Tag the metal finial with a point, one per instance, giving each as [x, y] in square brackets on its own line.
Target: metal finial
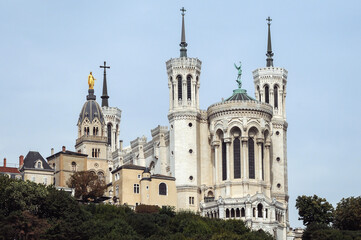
[269, 53]
[183, 44]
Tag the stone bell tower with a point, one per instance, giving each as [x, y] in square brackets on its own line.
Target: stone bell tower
[184, 119]
[270, 84]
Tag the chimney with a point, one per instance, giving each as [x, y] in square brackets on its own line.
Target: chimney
[63, 148]
[52, 151]
[4, 162]
[21, 161]
[120, 145]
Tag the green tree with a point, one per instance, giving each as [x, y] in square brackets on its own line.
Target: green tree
[87, 185]
[313, 209]
[348, 214]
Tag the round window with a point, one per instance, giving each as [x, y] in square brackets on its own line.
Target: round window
[190, 124]
[191, 178]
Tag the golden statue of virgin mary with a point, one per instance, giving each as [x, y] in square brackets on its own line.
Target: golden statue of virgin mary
[91, 81]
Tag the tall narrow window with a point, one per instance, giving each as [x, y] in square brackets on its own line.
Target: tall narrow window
[162, 189]
[117, 190]
[73, 166]
[109, 134]
[260, 210]
[251, 158]
[266, 93]
[237, 158]
[136, 188]
[275, 96]
[243, 212]
[224, 161]
[94, 131]
[179, 78]
[232, 213]
[189, 87]
[238, 213]
[262, 161]
[227, 213]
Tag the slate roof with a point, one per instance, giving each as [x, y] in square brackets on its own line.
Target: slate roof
[31, 158]
[91, 110]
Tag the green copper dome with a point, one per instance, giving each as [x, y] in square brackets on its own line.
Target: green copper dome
[240, 94]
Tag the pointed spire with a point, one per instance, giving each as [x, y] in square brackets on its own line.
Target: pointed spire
[269, 53]
[105, 89]
[183, 44]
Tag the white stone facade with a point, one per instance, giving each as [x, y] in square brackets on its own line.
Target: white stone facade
[229, 161]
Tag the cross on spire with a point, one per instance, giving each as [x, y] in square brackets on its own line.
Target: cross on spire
[105, 89]
[269, 20]
[183, 11]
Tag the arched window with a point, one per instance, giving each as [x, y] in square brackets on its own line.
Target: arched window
[73, 166]
[232, 213]
[266, 93]
[243, 212]
[260, 210]
[38, 164]
[94, 131]
[84, 130]
[109, 133]
[162, 189]
[101, 175]
[237, 213]
[224, 161]
[275, 96]
[251, 158]
[189, 87]
[117, 190]
[179, 78]
[237, 158]
[227, 213]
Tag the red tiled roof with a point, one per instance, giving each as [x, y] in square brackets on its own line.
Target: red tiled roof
[9, 170]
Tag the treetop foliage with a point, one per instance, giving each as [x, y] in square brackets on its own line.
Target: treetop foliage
[34, 211]
[314, 209]
[87, 185]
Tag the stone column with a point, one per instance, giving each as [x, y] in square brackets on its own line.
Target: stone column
[197, 93]
[260, 169]
[244, 157]
[170, 86]
[267, 162]
[221, 211]
[271, 97]
[280, 102]
[175, 103]
[215, 164]
[227, 141]
[193, 94]
[184, 91]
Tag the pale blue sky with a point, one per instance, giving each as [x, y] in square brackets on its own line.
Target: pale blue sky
[47, 49]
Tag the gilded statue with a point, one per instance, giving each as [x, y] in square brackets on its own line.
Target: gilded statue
[91, 81]
[239, 81]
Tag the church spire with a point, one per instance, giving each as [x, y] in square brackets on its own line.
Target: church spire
[183, 44]
[269, 53]
[105, 89]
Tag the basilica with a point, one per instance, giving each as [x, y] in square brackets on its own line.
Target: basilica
[228, 161]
